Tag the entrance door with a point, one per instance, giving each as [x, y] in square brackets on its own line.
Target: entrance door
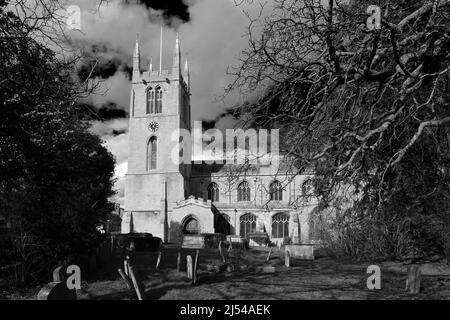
[191, 226]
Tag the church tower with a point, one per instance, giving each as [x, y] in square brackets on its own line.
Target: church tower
[159, 106]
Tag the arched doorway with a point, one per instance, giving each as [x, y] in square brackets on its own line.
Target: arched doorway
[191, 226]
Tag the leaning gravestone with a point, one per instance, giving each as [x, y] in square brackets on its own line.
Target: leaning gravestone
[189, 266]
[58, 289]
[413, 279]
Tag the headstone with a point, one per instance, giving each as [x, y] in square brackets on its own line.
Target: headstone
[60, 274]
[189, 266]
[287, 258]
[57, 291]
[194, 270]
[221, 252]
[268, 256]
[126, 279]
[268, 269]
[413, 279]
[301, 251]
[178, 261]
[158, 261]
[136, 282]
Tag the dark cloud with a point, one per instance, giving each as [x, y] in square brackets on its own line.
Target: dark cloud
[107, 111]
[170, 8]
[101, 61]
[111, 110]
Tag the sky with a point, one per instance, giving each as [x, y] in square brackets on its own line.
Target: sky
[211, 36]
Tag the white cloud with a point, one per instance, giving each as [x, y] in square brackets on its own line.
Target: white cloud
[212, 39]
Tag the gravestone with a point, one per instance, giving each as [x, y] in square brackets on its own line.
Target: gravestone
[195, 267]
[189, 267]
[60, 274]
[136, 280]
[268, 269]
[287, 258]
[302, 251]
[178, 261]
[126, 279]
[268, 256]
[221, 252]
[56, 291]
[158, 261]
[413, 279]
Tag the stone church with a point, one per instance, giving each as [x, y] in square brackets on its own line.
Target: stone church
[168, 199]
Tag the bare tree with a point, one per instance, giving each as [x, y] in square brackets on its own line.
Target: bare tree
[365, 105]
[334, 85]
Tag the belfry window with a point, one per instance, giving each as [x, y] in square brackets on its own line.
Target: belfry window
[276, 191]
[152, 153]
[150, 101]
[243, 191]
[158, 102]
[213, 192]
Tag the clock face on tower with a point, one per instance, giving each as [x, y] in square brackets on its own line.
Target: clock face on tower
[153, 126]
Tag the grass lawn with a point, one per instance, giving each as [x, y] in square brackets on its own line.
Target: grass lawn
[323, 278]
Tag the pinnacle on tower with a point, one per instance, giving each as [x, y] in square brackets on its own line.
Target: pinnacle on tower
[176, 58]
[150, 67]
[136, 60]
[186, 72]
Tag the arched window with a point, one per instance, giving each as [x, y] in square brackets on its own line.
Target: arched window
[150, 101]
[152, 153]
[213, 192]
[280, 225]
[243, 191]
[276, 191]
[158, 104]
[316, 228]
[307, 188]
[247, 223]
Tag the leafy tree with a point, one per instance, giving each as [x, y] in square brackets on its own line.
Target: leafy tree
[56, 177]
